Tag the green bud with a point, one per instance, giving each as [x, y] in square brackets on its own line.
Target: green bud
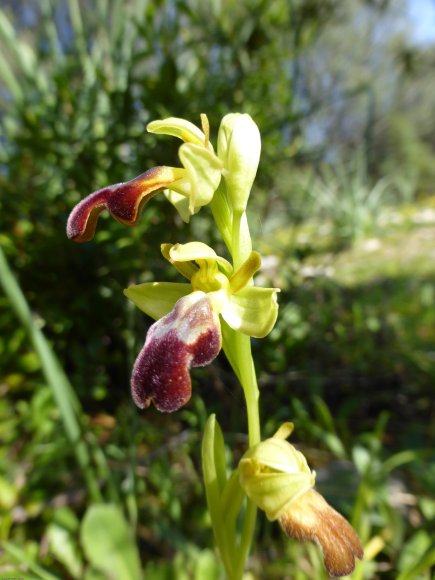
[274, 474]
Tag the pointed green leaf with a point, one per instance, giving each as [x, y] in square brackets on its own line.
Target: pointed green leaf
[213, 457]
[214, 473]
[157, 298]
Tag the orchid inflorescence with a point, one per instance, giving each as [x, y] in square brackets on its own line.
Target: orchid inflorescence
[218, 307]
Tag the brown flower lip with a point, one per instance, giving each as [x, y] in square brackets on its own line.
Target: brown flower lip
[124, 201]
[311, 518]
[189, 336]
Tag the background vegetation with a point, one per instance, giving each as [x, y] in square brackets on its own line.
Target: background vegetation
[343, 210]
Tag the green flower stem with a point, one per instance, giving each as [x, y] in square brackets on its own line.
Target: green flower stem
[248, 379]
[249, 383]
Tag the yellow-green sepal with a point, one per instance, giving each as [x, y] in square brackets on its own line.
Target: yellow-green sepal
[252, 310]
[186, 268]
[196, 252]
[176, 127]
[272, 492]
[157, 298]
[239, 147]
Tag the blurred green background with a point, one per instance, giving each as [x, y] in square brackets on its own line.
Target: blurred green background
[343, 211]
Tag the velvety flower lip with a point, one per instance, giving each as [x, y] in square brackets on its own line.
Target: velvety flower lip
[123, 200]
[311, 518]
[189, 336]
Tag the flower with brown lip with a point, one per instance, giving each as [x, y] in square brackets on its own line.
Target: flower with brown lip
[276, 477]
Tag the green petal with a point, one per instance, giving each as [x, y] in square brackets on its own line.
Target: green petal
[252, 310]
[157, 298]
[194, 251]
[186, 269]
[242, 277]
[184, 130]
[204, 174]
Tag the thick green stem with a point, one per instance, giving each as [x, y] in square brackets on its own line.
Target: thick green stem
[244, 368]
[246, 373]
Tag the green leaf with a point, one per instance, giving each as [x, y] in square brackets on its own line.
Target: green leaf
[232, 498]
[157, 298]
[214, 473]
[213, 458]
[417, 556]
[20, 555]
[108, 543]
[65, 549]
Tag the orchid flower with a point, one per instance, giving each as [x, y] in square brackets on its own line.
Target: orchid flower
[188, 188]
[188, 328]
[218, 307]
[276, 477]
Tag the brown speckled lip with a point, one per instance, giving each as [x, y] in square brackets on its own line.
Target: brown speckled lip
[189, 336]
[123, 200]
[311, 518]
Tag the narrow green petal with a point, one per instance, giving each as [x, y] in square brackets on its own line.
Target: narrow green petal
[241, 278]
[157, 298]
[252, 311]
[184, 130]
[194, 251]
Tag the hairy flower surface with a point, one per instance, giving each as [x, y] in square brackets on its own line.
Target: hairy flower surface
[189, 187]
[276, 477]
[311, 518]
[189, 336]
[190, 313]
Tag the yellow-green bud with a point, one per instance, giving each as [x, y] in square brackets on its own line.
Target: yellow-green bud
[273, 473]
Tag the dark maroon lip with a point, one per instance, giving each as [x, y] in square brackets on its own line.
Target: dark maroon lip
[183, 339]
[124, 201]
